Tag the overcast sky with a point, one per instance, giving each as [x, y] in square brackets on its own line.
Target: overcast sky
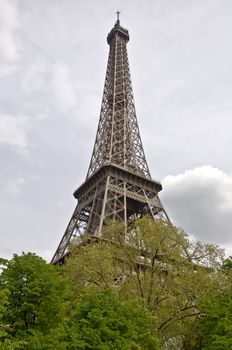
[53, 57]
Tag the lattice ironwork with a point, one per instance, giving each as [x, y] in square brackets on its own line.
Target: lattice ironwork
[118, 185]
[118, 139]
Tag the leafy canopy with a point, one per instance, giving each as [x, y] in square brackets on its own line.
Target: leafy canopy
[33, 293]
[102, 321]
[155, 262]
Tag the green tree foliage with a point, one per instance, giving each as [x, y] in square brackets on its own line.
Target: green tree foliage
[38, 312]
[101, 321]
[119, 292]
[34, 304]
[90, 267]
[227, 266]
[155, 262]
[215, 326]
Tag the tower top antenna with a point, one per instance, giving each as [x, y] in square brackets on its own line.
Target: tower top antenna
[118, 13]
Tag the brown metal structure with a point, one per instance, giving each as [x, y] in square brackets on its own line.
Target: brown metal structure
[118, 185]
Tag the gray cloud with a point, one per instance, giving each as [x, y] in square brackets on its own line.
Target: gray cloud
[13, 131]
[8, 46]
[200, 201]
[63, 91]
[52, 79]
[12, 187]
[53, 59]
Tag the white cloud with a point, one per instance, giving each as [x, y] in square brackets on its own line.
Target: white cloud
[52, 80]
[8, 48]
[183, 96]
[36, 77]
[46, 254]
[13, 131]
[63, 91]
[12, 187]
[200, 201]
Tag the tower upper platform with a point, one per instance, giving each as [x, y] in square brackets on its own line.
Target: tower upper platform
[118, 30]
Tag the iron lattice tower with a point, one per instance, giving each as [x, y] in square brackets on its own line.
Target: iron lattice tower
[118, 183]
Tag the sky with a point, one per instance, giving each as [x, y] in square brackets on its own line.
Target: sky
[53, 57]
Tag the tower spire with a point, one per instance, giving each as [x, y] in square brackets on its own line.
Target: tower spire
[118, 138]
[118, 185]
[118, 13]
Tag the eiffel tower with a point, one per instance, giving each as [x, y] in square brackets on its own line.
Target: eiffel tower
[118, 185]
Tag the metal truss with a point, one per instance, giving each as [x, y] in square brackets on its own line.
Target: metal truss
[118, 139]
[118, 185]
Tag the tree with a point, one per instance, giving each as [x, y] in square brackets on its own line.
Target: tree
[90, 267]
[119, 292]
[156, 262]
[34, 303]
[215, 328]
[101, 321]
[215, 325]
